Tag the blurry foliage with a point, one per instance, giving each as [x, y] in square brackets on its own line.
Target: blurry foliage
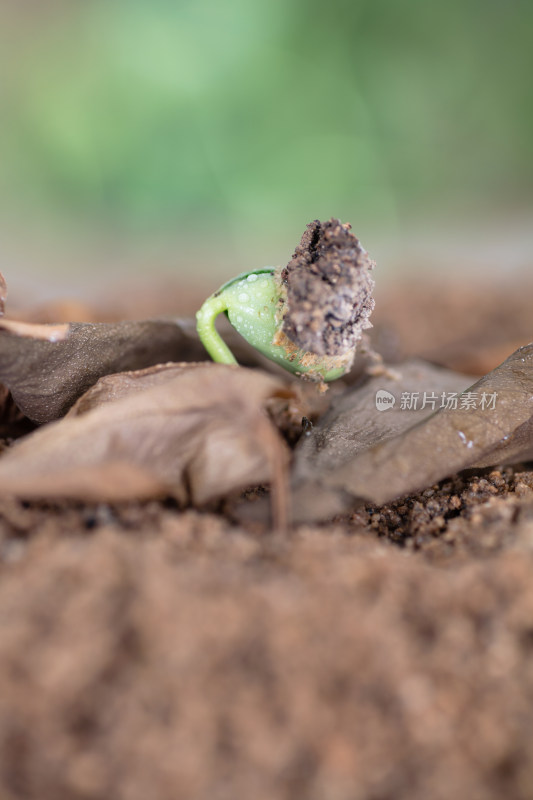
[148, 116]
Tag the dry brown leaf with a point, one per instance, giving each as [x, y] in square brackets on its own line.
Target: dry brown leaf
[353, 423]
[122, 384]
[46, 378]
[389, 464]
[197, 435]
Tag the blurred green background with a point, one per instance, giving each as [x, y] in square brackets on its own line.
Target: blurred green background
[202, 135]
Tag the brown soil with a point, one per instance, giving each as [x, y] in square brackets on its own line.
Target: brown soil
[149, 652]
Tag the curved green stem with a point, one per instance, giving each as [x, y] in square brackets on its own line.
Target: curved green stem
[209, 336]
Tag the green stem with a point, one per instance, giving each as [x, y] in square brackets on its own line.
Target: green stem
[209, 336]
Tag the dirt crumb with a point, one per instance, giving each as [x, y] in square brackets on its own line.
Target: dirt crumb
[474, 514]
[329, 290]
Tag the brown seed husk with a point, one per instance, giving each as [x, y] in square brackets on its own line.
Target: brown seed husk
[329, 290]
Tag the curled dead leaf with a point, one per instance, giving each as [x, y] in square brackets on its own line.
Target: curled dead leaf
[122, 384]
[358, 419]
[46, 377]
[196, 432]
[379, 461]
